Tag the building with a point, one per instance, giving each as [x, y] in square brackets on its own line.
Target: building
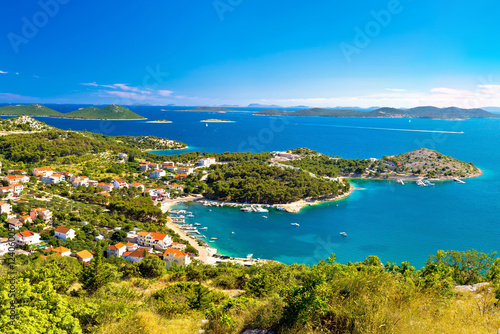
[46, 214]
[84, 256]
[168, 164]
[25, 219]
[180, 177]
[80, 181]
[27, 238]
[42, 171]
[178, 245]
[105, 186]
[53, 178]
[7, 190]
[64, 233]
[15, 224]
[116, 250]
[139, 186]
[123, 156]
[185, 170]
[154, 239]
[5, 208]
[13, 179]
[136, 255]
[156, 174]
[176, 256]
[63, 251]
[143, 166]
[119, 183]
[206, 162]
[153, 165]
[17, 188]
[17, 171]
[131, 246]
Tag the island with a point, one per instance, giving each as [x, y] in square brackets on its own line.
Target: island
[160, 121]
[112, 112]
[214, 120]
[451, 113]
[28, 110]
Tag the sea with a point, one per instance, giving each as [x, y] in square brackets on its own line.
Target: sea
[394, 222]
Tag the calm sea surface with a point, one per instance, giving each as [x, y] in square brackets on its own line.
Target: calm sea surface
[397, 223]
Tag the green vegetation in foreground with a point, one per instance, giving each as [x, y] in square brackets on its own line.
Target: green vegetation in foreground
[111, 112]
[419, 112]
[112, 296]
[28, 110]
[23, 124]
[215, 120]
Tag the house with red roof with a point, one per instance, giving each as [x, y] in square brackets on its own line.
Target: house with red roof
[157, 174]
[13, 179]
[137, 255]
[42, 171]
[176, 256]
[84, 256]
[45, 213]
[17, 188]
[105, 186]
[64, 233]
[63, 251]
[27, 238]
[116, 250]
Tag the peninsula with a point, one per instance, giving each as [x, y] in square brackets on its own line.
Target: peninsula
[451, 113]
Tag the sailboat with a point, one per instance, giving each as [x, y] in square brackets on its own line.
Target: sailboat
[206, 124]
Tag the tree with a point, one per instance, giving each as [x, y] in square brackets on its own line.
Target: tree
[118, 235]
[152, 266]
[95, 275]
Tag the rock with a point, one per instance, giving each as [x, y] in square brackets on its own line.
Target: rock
[475, 287]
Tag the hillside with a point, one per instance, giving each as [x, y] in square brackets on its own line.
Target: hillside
[28, 110]
[23, 124]
[451, 113]
[111, 112]
[213, 109]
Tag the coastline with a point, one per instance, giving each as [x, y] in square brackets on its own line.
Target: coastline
[410, 178]
[159, 122]
[170, 149]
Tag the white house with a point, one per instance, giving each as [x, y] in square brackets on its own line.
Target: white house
[116, 250]
[15, 224]
[80, 181]
[139, 186]
[64, 233]
[5, 208]
[12, 179]
[119, 183]
[157, 173]
[168, 164]
[42, 171]
[153, 165]
[123, 156]
[46, 214]
[17, 188]
[6, 190]
[177, 256]
[105, 186]
[27, 238]
[185, 170]
[206, 162]
[53, 178]
[63, 251]
[154, 239]
[84, 256]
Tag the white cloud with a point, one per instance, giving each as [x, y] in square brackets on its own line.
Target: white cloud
[11, 97]
[165, 92]
[2, 72]
[90, 84]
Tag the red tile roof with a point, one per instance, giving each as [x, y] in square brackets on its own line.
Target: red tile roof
[62, 229]
[174, 252]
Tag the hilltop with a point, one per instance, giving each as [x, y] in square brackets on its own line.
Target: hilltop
[111, 112]
[23, 124]
[213, 109]
[28, 110]
[451, 113]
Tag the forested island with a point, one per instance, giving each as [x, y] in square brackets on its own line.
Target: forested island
[451, 113]
[110, 112]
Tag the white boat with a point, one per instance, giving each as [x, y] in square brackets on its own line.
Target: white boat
[420, 183]
[246, 209]
[265, 217]
[190, 216]
[197, 224]
[204, 228]
[401, 182]
[249, 256]
[428, 183]
[295, 224]
[211, 241]
[458, 180]
[260, 209]
[213, 238]
[343, 234]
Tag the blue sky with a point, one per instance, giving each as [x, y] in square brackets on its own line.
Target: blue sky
[319, 53]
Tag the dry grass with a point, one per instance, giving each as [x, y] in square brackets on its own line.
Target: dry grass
[150, 323]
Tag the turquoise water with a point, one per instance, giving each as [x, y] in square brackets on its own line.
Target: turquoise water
[396, 223]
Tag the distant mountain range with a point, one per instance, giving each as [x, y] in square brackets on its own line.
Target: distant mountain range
[111, 112]
[418, 112]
